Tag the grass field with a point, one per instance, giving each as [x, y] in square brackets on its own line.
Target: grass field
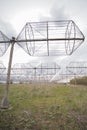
[44, 107]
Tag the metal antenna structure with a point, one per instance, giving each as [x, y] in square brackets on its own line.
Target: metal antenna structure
[4, 43]
[50, 38]
[2, 68]
[42, 39]
[74, 69]
[2, 72]
[65, 75]
[77, 68]
[36, 72]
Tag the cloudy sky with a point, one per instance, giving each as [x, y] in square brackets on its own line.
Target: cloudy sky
[15, 13]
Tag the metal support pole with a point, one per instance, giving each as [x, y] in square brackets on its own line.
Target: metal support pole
[35, 77]
[75, 79]
[47, 40]
[5, 102]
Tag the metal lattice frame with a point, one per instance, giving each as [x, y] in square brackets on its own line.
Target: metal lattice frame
[73, 70]
[38, 72]
[4, 43]
[42, 38]
[65, 75]
[2, 71]
[2, 68]
[50, 38]
[77, 68]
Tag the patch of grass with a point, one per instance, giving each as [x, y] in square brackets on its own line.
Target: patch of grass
[47, 107]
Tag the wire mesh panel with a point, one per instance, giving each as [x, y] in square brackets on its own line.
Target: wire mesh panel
[4, 43]
[50, 38]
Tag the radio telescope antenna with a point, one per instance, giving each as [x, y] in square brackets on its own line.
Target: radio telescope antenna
[54, 38]
[37, 71]
[50, 38]
[77, 68]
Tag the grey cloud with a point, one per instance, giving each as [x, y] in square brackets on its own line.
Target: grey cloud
[59, 14]
[7, 29]
[10, 8]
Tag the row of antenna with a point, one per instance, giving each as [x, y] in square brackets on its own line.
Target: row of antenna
[27, 72]
[49, 38]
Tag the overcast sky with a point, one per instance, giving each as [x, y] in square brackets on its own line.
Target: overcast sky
[15, 13]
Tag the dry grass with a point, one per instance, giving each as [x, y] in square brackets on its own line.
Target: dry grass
[45, 107]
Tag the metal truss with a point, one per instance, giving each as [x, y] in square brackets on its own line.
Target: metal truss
[42, 39]
[77, 68]
[4, 43]
[2, 73]
[2, 68]
[65, 75]
[50, 38]
[73, 70]
[30, 72]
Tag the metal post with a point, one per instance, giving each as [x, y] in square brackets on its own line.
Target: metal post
[5, 102]
[47, 40]
[75, 79]
[35, 76]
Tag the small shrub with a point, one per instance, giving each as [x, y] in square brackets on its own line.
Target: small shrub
[79, 81]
